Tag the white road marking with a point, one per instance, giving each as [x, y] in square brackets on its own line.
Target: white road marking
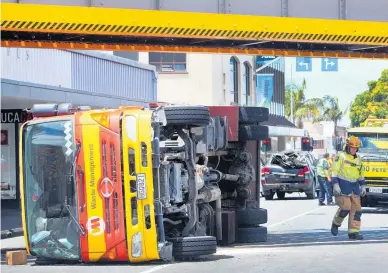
[294, 217]
[156, 268]
[279, 248]
[249, 249]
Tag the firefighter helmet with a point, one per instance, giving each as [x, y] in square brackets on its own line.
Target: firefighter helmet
[353, 142]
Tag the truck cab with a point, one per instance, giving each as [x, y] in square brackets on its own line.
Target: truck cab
[374, 156]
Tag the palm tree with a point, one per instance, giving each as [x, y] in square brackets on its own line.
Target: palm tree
[322, 109]
[298, 100]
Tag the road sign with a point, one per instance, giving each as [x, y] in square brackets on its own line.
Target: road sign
[329, 64]
[303, 64]
[261, 60]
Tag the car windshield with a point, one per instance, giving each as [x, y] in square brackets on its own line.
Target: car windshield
[373, 145]
[49, 190]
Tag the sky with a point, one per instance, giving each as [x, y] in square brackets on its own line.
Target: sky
[350, 79]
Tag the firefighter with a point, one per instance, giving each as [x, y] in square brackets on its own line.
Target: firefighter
[348, 185]
[325, 189]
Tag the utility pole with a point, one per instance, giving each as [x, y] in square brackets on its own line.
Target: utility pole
[292, 99]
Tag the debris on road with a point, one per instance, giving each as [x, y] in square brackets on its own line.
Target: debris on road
[18, 257]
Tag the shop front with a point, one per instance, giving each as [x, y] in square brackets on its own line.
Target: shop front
[11, 120]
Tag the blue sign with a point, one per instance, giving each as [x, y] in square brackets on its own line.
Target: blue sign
[261, 60]
[329, 64]
[264, 89]
[304, 64]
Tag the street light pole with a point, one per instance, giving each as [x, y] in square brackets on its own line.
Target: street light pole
[292, 106]
[292, 99]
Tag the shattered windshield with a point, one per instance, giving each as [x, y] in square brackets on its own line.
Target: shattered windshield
[50, 190]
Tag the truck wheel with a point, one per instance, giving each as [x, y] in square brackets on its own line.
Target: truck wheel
[252, 132]
[251, 235]
[187, 247]
[251, 217]
[187, 115]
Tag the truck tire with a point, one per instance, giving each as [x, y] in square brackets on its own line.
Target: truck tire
[187, 115]
[252, 132]
[187, 247]
[251, 234]
[251, 217]
[253, 115]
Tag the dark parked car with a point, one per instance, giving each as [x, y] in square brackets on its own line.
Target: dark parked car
[289, 172]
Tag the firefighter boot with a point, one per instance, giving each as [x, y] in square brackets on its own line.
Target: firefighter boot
[355, 236]
[334, 229]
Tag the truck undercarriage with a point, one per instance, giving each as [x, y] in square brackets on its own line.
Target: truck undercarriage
[205, 178]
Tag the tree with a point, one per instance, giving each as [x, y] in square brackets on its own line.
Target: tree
[372, 102]
[298, 101]
[322, 109]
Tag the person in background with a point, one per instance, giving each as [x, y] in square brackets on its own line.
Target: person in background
[324, 179]
[331, 162]
[349, 184]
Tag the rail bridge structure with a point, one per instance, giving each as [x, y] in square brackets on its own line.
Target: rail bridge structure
[314, 28]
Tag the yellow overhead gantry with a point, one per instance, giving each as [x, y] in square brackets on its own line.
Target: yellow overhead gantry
[74, 27]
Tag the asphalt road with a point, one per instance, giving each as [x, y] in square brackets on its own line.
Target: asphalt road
[299, 241]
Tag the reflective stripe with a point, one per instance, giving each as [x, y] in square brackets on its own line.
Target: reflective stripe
[353, 230]
[351, 163]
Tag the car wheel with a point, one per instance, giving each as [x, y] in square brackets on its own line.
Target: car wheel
[269, 196]
[311, 194]
[281, 195]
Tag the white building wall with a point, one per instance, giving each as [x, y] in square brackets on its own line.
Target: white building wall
[206, 82]
[222, 74]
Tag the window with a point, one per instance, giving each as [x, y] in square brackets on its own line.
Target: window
[168, 62]
[247, 82]
[234, 79]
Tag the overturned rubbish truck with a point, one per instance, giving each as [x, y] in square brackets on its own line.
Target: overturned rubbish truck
[140, 183]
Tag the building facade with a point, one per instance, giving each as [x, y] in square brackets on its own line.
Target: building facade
[55, 76]
[210, 79]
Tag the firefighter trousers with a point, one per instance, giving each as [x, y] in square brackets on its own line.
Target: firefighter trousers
[348, 205]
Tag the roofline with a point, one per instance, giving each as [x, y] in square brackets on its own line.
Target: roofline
[368, 130]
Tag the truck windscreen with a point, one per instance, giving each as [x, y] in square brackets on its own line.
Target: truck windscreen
[50, 195]
[373, 145]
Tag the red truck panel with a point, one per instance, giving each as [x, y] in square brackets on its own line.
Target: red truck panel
[232, 114]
